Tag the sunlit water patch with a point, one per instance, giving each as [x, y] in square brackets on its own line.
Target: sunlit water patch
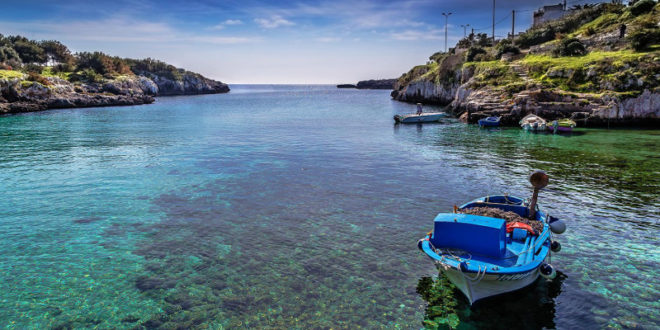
[300, 206]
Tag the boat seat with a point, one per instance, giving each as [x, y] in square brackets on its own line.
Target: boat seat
[478, 235]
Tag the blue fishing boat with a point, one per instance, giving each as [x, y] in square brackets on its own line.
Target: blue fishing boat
[487, 255]
[489, 122]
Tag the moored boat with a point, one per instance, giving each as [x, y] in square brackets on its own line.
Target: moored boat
[493, 245]
[414, 118]
[562, 125]
[533, 123]
[489, 122]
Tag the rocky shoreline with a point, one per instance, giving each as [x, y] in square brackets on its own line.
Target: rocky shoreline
[19, 95]
[581, 66]
[470, 101]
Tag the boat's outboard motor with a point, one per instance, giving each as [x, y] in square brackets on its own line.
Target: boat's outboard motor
[547, 271]
[539, 180]
[557, 226]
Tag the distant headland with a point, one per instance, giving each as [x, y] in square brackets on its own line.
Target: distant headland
[40, 75]
[371, 84]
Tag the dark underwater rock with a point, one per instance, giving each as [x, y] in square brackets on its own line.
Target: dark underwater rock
[146, 283]
[87, 220]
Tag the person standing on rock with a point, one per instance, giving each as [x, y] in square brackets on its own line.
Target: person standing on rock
[419, 108]
[622, 30]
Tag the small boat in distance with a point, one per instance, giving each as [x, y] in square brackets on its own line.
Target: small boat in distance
[489, 122]
[414, 118]
[533, 123]
[561, 125]
[494, 244]
[419, 117]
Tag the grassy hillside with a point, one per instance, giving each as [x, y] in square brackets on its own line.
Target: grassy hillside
[579, 53]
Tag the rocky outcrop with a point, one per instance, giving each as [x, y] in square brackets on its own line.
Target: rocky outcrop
[371, 84]
[424, 91]
[587, 110]
[476, 91]
[21, 95]
[189, 84]
[376, 84]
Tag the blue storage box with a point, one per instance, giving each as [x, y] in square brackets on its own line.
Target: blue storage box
[478, 235]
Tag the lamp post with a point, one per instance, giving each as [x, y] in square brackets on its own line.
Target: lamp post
[446, 15]
[464, 29]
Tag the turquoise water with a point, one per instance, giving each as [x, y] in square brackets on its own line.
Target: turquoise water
[301, 206]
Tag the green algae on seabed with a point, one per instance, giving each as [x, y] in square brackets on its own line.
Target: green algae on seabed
[440, 295]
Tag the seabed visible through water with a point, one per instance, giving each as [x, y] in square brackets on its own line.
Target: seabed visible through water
[300, 207]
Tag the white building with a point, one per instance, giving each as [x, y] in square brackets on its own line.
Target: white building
[548, 13]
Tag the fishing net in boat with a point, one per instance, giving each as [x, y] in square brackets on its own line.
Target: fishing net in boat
[508, 216]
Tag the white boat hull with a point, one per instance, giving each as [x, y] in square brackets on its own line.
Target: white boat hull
[423, 118]
[476, 287]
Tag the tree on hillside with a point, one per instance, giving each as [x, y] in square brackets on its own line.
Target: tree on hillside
[483, 40]
[8, 54]
[28, 50]
[56, 52]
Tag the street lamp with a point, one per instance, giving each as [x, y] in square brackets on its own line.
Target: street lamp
[464, 29]
[446, 15]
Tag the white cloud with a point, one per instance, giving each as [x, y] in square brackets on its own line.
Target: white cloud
[223, 40]
[328, 39]
[118, 29]
[412, 35]
[227, 23]
[233, 22]
[274, 21]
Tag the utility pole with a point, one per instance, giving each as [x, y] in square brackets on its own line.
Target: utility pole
[464, 29]
[493, 22]
[513, 24]
[446, 15]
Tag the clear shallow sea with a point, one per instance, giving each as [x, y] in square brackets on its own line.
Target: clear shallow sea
[300, 207]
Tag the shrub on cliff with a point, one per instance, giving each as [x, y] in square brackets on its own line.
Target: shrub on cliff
[33, 76]
[506, 46]
[642, 39]
[102, 63]
[642, 7]
[472, 52]
[57, 52]
[570, 47]
[28, 50]
[152, 66]
[7, 53]
[86, 75]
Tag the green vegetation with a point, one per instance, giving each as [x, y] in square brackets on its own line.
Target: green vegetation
[642, 7]
[10, 74]
[623, 71]
[579, 53]
[50, 58]
[568, 24]
[441, 309]
[570, 47]
[506, 46]
[472, 53]
[644, 39]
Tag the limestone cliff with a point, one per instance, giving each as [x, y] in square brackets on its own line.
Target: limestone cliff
[18, 94]
[591, 75]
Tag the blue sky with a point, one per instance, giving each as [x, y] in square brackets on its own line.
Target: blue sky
[325, 41]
